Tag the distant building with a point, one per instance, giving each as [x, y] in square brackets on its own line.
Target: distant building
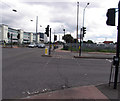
[43, 37]
[25, 37]
[108, 42]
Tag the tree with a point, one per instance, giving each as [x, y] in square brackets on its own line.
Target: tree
[84, 41]
[75, 41]
[68, 38]
[90, 41]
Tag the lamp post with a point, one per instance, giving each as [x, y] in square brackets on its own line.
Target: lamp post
[84, 13]
[36, 27]
[81, 30]
[14, 10]
[77, 21]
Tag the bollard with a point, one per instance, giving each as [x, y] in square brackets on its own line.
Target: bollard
[46, 51]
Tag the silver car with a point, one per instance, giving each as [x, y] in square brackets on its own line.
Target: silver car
[32, 45]
[41, 45]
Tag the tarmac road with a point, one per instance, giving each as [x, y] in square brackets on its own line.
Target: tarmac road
[26, 72]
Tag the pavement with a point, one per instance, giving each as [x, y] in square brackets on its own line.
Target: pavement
[91, 92]
[84, 92]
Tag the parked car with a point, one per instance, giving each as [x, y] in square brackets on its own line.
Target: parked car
[32, 45]
[41, 45]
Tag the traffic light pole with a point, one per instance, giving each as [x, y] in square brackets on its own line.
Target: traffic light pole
[54, 41]
[117, 50]
[80, 42]
[11, 40]
[50, 43]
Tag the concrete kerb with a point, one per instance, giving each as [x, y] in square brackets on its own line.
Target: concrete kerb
[46, 55]
[104, 89]
[92, 57]
[81, 92]
[89, 57]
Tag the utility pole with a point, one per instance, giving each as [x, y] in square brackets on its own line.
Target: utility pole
[117, 50]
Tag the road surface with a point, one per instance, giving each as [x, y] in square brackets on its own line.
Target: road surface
[26, 72]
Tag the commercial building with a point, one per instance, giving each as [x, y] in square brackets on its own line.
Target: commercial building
[20, 36]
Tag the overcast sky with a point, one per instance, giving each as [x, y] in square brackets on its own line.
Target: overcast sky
[60, 14]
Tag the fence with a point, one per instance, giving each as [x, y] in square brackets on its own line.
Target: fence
[86, 46]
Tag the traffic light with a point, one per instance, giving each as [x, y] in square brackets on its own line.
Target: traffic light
[110, 17]
[8, 35]
[47, 30]
[18, 36]
[55, 37]
[84, 31]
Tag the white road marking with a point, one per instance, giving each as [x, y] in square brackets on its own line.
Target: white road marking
[108, 60]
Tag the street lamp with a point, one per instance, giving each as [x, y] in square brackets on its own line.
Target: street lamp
[81, 30]
[36, 26]
[14, 10]
[84, 13]
[77, 21]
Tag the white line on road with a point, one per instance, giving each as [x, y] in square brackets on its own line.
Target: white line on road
[108, 60]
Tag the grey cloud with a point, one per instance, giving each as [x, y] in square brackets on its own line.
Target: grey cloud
[58, 4]
[65, 4]
[91, 5]
[4, 5]
[69, 21]
[10, 18]
[65, 13]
